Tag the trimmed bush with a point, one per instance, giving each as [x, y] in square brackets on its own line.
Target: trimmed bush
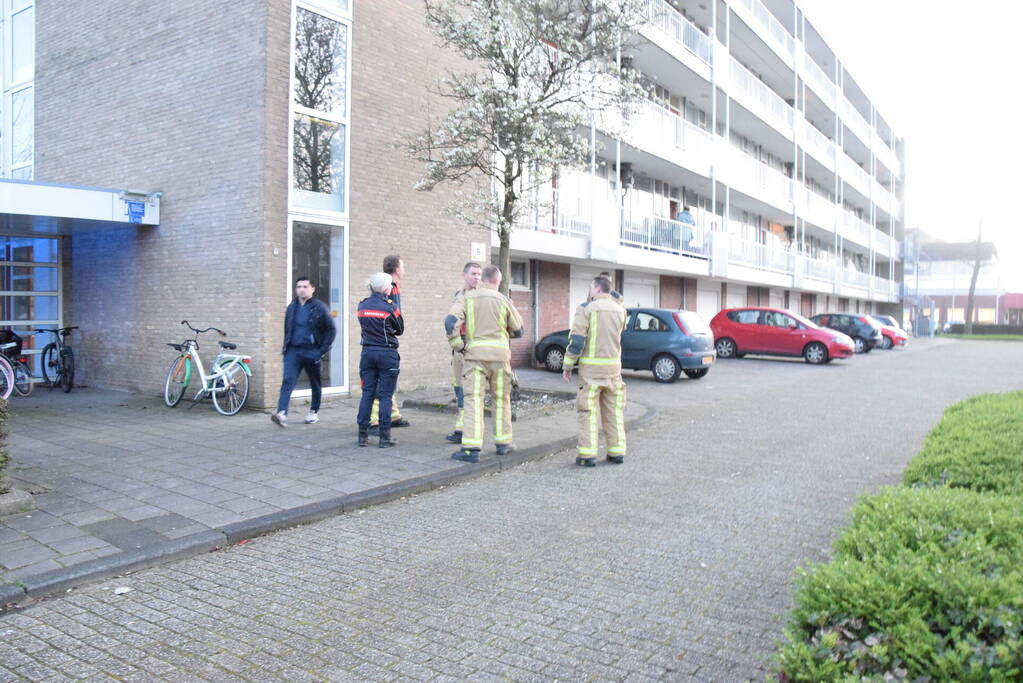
[978, 445]
[4, 487]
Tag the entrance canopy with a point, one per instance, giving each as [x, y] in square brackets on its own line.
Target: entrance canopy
[29, 207]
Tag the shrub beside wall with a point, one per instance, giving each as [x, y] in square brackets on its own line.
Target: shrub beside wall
[4, 487]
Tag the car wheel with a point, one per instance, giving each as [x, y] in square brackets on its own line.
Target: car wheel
[665, 368]
[886, 343]
[554, 358]
[859, 345]
[815, 353]
[696, 373]
[725, 348]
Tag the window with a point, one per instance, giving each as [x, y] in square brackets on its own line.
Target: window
[646, 322]
[744, 317]
[17, 69]
[520, 274]
[775, 319]
[320, 104]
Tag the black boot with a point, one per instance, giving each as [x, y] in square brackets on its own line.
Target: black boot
[385, 438]
[455, 436]
[586, 462]
[467, 455]
[504, 448]
[616, 459]
[374, 430]
[363, 436]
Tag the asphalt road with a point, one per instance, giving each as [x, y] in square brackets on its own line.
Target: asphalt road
[676, 565]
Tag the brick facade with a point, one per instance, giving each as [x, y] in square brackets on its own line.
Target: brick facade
[689, 293]
[522, 348]
[671, 291]
[555, 307]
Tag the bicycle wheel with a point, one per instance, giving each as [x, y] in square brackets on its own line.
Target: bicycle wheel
[51, 365]
[6, 378]
[67, 369]
[177, 380]
[233, 390]
[22, 378]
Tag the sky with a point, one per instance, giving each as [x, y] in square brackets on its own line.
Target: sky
[947, 76]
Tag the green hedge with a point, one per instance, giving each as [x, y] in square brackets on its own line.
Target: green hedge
[3, 445]
[978, 445]
[927, 581]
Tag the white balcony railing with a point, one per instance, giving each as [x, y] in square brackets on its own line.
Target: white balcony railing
[856, 176]
[819, 210]
[562, 224]
[681, 30]
[882, 197]
[652, 126]
[818, 270]
[819, 80]
[772, 27]
[882, 243]
[818, 144]
[758, 175]
[771, 104]
[763, 256]
[855, 228]
[852, 118]
[855, 278]
[662, 234]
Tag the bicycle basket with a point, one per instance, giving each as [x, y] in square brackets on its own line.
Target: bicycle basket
[8, 336]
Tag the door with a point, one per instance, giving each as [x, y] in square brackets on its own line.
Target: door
[30, 292]
[779, 335]
[317, 252]
[647, 335]
[708, 300]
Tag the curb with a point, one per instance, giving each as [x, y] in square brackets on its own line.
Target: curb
[57, 581]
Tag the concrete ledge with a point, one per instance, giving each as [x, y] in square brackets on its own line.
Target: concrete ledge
[59, 580]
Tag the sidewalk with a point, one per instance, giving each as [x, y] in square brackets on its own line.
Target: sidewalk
[122, 482]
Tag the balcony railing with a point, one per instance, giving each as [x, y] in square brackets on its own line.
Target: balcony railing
[819, 210]
[818, 143]
[562, 224]
[770, 102]
[763, 256]
[681, 30]
[818, 270]
[771, 25]
[852, 172]
[819, 80]
[653, 126]
[662, 234]
[856, 228]
[762, 176]
[855, 121]
[855, 278]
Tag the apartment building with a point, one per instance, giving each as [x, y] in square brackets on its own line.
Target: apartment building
[793, 176]
[170, 161]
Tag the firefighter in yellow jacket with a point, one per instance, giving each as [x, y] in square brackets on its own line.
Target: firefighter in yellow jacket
[471, 274]
[595, 345]
[490, 320]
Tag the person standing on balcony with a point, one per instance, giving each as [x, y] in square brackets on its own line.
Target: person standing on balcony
[394, 266]
[471, 274]
[688, 223]
[595, 345]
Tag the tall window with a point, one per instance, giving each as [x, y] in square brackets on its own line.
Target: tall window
[320, 107]
[17, 64]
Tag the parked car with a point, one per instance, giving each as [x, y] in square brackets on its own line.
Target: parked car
[776, 332]
[893, 335]
[666, 342]
[862, 329]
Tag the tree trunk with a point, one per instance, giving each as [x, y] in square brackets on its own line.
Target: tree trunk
[505, 228]
[968, 328]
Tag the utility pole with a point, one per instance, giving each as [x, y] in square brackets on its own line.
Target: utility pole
[968, 328]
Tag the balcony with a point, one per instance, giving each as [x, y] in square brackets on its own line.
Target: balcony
[684, 32]
[771, 30]
[855, 278]
[818, 145]
[854, 120]
[882, 197]
[818, 269]
[771, 257]
[819, 82]
[758, 180]
[655, 129]
[662, 234]
[882, 243]
[761, 100]
[855, 229]
[817, 209]
[853, 174]
[886, 288]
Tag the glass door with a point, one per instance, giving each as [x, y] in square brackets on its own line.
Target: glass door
[30, 298]
[317, 252]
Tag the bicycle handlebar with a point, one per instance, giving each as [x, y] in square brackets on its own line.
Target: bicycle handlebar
[222, 333]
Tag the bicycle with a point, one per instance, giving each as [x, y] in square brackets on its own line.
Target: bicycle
[7, 382]
[59, 360]
[228, 385]
[10, 348]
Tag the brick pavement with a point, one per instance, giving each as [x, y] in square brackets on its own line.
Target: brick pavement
[675, 566]
[129, 480]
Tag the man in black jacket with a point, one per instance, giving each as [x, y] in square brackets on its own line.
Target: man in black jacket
[309, 332]
[381, 325]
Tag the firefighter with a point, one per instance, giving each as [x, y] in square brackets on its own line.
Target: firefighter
[490, 320]
[379, 364]
[394, 265]
[471, 274]
[595, 345]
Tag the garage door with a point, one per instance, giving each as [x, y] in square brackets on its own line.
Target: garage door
[777, 298]
[641, 290]
[708, 298]
[736, 296]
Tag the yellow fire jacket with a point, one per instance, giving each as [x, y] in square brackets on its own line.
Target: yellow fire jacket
[490, 320]
[595, 341]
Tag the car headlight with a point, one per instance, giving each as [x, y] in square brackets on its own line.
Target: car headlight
[838, 340]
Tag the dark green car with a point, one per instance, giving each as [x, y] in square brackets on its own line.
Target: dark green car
[664, 341]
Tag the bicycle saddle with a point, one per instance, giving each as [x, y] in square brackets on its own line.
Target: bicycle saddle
[227, 345]
[179, 347]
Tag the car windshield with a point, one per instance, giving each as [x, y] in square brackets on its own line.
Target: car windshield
[694, 322]
[806, 321]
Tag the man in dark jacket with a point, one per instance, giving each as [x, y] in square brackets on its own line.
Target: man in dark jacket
[308, 334]
[381, 324]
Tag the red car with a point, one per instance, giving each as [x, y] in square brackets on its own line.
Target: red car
[893, 336]
[776, 332]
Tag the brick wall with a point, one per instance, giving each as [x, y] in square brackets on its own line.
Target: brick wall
[555, 307]
[522, 348]
[689, 293]
[671, 291]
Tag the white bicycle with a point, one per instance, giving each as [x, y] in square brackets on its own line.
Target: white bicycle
[228, 384]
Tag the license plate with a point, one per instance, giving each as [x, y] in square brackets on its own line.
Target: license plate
[707, 360]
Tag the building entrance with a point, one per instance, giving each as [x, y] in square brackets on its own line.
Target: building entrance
[318, 252]
[30, 292]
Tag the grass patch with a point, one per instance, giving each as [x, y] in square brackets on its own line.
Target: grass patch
[986, 337]
[927, 581]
